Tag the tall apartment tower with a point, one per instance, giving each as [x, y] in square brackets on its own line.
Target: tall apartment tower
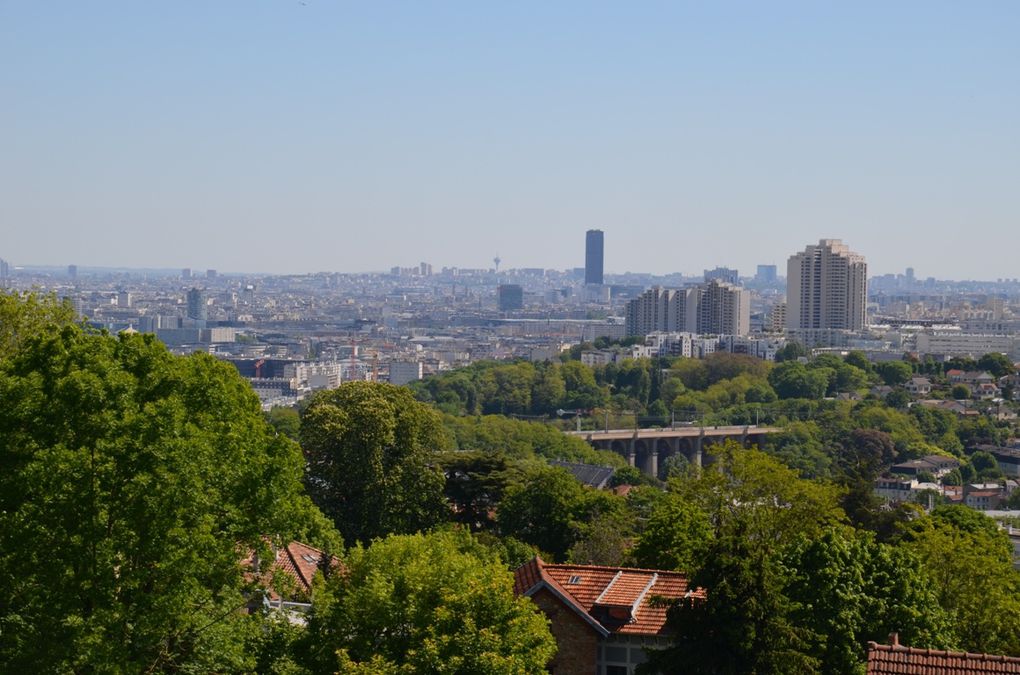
[826, 288]
[593, 257]
[723, 309]
[667, 310]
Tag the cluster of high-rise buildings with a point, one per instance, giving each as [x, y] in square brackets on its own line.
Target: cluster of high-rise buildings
[827, 290]
[714, 307]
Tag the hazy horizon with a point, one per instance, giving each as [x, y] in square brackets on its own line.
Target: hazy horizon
[296, 137]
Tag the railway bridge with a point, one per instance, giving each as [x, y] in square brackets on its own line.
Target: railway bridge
[647, 448]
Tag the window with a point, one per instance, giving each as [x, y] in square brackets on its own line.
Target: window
[574, 579]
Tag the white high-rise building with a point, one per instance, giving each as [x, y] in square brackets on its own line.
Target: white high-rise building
[713, 308]
[667, 310]
[723, 309]
[826, 288]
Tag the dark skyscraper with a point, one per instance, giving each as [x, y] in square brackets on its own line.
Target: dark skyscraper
[510, 297]
[593, 253]
[197, 310]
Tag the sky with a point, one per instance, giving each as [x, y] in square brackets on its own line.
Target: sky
[293, 136]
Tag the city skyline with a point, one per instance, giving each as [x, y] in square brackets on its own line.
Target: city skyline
[297, 137]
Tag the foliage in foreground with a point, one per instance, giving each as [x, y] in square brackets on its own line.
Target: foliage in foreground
[131, 481]
[437, 603]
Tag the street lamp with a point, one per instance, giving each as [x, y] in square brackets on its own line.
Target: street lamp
[576, 413]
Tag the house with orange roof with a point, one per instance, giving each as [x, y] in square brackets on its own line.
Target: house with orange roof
[603, 618]
[286, 581]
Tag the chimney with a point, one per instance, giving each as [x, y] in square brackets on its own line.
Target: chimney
[894, 639]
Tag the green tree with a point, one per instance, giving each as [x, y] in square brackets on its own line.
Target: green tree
[27, 315]
[131, 483]
[372, 463]
[548, 390]
[550, 510]
[582, 392]
[693, 373]
[858, 359]
[864, 454]
[846, 590]
[791, 351]
[677, 536]
[438, 603]
[286, 421]
[894, 373]
[725, 366]
[475, 484]
[606, 540]
[898, 398]
[971, 567]
[997, 364]
[795, 380]
[960, 392]
[756, 507]
[507, 389]
[801, 446]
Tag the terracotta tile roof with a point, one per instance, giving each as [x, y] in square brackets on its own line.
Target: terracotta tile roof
[296, 560]
[617, 599]
[899, 660]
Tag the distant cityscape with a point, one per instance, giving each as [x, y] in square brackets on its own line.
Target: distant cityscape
[293, 334]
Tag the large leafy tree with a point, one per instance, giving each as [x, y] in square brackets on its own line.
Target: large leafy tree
[997, 364]
[846, 589]
[23, 316]
[131, 483]
[677, 536]
[372, 460]
[756, 507]
[437, 603]
[795, 380]
[552, 511]
[971, 566]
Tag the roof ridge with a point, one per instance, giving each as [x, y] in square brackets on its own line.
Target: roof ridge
[598, 600]
[641, 596]
[618, 568]
[317, 550]
[927, 651]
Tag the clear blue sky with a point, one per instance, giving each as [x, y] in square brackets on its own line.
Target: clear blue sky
[291, 136]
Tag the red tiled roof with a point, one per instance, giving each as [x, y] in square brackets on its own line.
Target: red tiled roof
[899, 660]
[617, 599]
[298, 561]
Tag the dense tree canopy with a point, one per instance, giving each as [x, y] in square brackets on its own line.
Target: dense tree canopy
[373, 464]
[130, 480]
[28, 315]
[437, 603]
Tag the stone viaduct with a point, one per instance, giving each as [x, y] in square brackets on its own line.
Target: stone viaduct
[648, 448]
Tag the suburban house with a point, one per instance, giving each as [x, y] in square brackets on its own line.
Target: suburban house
[937, 465]
[287, 579]
[952, 406]
[919, 386]
[971, 378]
[592, 475]
[603, 618]
[900, 660]
[1008, 459]
[982, 500]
